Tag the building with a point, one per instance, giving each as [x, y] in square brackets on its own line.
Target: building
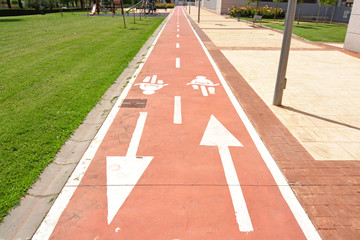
[352, 40]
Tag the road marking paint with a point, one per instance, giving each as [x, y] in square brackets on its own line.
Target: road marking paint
[135, 140]
[178, 30]
[177, 110]
[217, 135]
[147, 79]
[293, 203]
[178, 25]
[153, 79]
[177, 45]
[205, 85]
[177, 65]
[177, 35]
[150, 88]
[203, 90]
[48, 224]
[124, 172]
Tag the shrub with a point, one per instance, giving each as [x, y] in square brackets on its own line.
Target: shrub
[265, 12]
[39, 4]
[162, 5]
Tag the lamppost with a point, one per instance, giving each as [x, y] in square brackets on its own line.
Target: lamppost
[199, 12]
[284, 55]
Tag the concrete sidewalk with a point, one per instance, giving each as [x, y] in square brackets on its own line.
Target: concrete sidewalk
[316, 143]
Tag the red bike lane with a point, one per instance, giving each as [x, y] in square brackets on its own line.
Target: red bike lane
[179, 165]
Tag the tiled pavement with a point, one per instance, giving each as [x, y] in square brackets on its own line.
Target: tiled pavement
[315, 136]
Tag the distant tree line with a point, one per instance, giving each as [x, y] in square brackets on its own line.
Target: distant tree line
[51, 4]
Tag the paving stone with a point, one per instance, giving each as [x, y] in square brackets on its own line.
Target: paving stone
[323, 223]
[329, 234]
[348, 232]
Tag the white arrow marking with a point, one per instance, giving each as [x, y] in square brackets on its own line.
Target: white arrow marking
[217, 135]
[124, 172]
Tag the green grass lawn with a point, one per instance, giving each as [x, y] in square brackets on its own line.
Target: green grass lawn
[53, 71]
[321, 32]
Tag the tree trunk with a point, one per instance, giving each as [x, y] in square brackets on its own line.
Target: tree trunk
[20, 4]
[333, 12]
[326, 10]
[317, 18]
[299, 14]
[8, 3]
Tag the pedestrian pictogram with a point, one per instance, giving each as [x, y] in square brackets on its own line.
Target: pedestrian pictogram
[206, 86]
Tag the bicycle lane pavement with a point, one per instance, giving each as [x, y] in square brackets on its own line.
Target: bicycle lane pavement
[179, 165]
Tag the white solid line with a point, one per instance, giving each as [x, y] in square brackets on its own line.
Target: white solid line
[153, 79]
[299, 213]
[237, 197]
[48, 224]
[135, 139]
[204, 91]
[177, 110]
[177, 45]
[177, 65]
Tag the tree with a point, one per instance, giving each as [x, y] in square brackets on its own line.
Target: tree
[41, 4]
[8, 3]
[20, 4]
[327, 3]
[333, 3]
[300, 2]
[276, 7]
[251, 1]
[322, 2]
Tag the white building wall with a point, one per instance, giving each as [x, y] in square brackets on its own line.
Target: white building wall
[352, 40]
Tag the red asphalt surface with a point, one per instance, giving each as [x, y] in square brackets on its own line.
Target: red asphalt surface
[183, 193]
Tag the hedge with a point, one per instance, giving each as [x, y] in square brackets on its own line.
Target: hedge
[20, 12]
[265, 12]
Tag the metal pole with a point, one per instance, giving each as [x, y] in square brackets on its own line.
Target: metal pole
[199, 13]
[284, 55]
[189, 6]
